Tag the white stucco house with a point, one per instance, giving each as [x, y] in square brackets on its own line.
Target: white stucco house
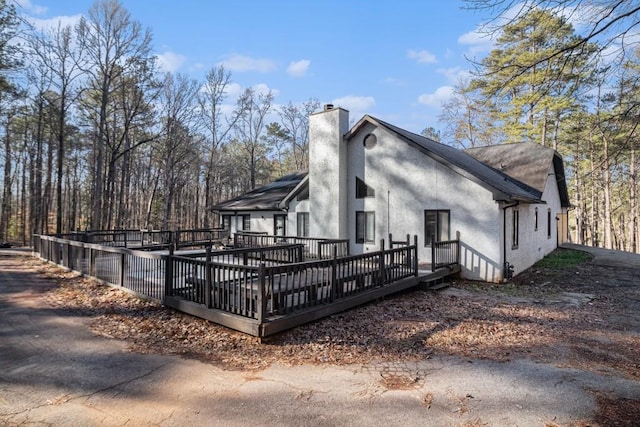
[508, 202]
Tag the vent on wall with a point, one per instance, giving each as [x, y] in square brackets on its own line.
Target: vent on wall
[328, 107]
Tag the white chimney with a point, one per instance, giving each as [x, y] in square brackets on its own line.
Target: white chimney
[328, 173]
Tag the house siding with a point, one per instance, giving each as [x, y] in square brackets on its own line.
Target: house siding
[406, 183]
[394, 181]
[327, 192]
[535, 244]
[296, 206]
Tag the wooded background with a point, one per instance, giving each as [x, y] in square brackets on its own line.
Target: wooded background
[95, 137]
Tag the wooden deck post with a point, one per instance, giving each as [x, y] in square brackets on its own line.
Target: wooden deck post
[433, 252]
[334, 275]
[122, 268]
[261, 303]
[458, 247]
[381, 275]
[207, 278]
[415, 254]
[168, 273]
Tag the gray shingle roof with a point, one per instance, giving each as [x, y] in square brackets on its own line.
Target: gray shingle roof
[527, 162]
[265, 198]
[503, 186]
[510, 171]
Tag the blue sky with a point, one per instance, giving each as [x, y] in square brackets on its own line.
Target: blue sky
[395, 60]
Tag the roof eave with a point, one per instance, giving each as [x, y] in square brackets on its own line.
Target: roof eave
[284, 203]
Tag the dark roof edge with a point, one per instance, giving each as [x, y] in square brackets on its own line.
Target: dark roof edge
[535, 194]
[284, 203]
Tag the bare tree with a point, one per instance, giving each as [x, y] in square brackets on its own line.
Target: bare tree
[54, 51]
[113, 45]
[218, 127]
[253, 109]
[177, 149]
[295, 120]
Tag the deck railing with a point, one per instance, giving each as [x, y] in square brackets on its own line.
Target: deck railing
[139, 271]
[151, 239]
[262, 291]
[258, 290]
[315, 248]
[445, 253]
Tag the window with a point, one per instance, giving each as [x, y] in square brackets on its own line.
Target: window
[303, 224]
[365, 227]
[279, 225]
[363, 190]
[535, 220]
[436, 224]
[548, 223]
[226, 222]
[515, 230]
[236, 222]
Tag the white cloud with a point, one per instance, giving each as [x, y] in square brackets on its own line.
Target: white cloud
[170, 61]
[32, 8]
[242, 63]
[263, 89]
[437, 98]
[298, 68]
[53, 23]
[477, 41]
[233, 90]
[455, 75]
[422, 56]
[355, 103]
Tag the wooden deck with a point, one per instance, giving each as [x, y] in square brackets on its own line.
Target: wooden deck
[260, 290]
[266, 300]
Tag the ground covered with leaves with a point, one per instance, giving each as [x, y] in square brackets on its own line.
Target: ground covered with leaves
[581, 316]
[565, 311]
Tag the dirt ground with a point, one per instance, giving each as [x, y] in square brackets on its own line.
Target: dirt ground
[585, 317]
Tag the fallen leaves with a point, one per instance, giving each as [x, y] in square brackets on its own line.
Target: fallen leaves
[472, 320]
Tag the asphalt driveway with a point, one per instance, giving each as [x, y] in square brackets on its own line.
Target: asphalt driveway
[54, 371]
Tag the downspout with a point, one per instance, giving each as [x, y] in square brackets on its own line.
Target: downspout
[507, 272]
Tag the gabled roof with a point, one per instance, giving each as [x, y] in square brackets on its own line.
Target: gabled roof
[527, 162]
[266, 198]
[503, 186]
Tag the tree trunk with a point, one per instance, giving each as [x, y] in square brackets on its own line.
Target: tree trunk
[633, 201]
[59, 163]
[5, 210]
[606, 194]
